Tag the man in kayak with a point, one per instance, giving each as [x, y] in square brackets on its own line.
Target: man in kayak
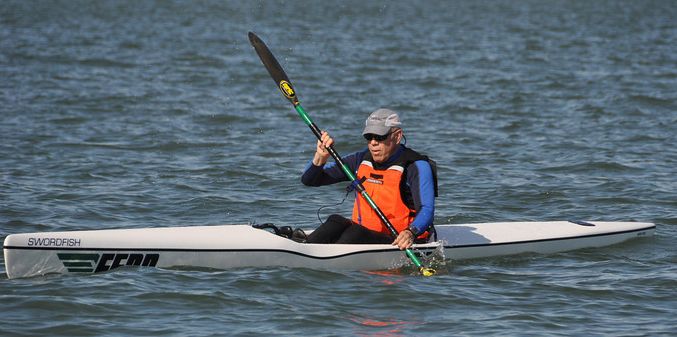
[399, 180]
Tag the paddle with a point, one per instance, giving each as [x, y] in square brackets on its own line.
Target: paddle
[284, 84]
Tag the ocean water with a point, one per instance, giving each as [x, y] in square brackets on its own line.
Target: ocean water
[127, 114]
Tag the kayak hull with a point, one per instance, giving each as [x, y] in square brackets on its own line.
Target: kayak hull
[239, 246]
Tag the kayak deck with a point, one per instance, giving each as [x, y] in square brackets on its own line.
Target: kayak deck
[508, 238]
[236, 246]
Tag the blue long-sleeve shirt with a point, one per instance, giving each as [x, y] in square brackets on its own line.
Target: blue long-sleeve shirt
[419, 180]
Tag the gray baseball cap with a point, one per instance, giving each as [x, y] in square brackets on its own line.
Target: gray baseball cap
[380, 122]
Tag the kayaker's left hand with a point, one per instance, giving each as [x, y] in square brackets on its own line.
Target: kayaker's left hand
[404, 240]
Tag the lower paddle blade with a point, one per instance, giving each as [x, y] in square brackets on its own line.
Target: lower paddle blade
[427, 271]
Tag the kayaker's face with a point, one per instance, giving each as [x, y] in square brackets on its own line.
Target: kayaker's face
[381, 150]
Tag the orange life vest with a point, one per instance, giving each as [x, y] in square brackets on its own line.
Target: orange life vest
[384, 188]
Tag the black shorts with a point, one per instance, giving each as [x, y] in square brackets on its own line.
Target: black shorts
[338, 229]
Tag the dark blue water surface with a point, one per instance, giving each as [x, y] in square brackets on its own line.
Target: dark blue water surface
[125, 114]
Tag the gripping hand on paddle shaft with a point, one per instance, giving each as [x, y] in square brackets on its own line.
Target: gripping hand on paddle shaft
[404, 240]
[321, 153]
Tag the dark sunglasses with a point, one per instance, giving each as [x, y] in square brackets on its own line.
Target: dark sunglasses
[378, 138]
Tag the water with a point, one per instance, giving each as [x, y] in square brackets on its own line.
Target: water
[123, 114]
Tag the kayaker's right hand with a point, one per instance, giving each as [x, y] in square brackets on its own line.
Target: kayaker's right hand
[321, 153]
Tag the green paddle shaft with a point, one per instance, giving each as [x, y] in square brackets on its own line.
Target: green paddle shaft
[285, 86]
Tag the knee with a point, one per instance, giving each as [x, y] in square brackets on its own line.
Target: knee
[335, 218]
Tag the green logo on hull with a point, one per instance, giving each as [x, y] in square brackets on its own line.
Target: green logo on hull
[79, 263]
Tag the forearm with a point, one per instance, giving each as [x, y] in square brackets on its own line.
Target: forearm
[315, 175]
[319, 160]
[423, 194]
[329, 173]
[424, 218]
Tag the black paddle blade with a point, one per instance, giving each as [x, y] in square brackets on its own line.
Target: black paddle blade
[274, 68]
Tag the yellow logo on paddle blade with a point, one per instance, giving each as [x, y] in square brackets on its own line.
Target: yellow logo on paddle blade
[286, 89]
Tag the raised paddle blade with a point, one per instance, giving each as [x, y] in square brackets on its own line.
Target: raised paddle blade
[274, 68]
